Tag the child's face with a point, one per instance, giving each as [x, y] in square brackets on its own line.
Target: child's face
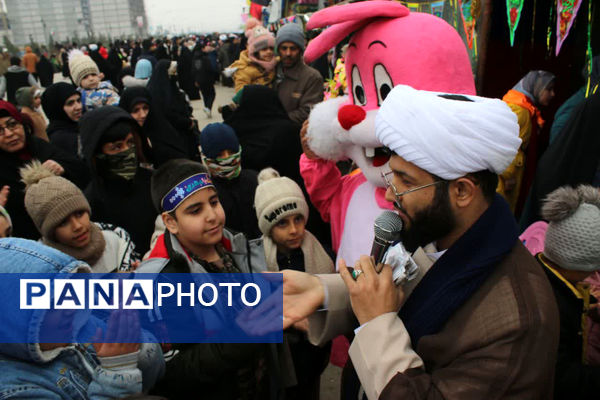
[91, 81]
[37, 101]
[74, 231]
[199, 220]
[288, 232]
[4, 227]
[119, 146]
[266, 54]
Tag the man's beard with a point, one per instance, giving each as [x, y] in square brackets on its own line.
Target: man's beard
[431, 224]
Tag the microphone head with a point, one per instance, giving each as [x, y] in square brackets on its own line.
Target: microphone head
[388, 226]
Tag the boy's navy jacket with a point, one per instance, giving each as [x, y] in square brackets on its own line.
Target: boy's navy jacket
[74, 371]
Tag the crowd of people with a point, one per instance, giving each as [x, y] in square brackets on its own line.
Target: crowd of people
[496, 310]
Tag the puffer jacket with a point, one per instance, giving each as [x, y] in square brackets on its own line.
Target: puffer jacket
[73, 371]
[250, 73]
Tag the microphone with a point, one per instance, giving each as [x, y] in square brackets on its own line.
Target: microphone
[388, 227]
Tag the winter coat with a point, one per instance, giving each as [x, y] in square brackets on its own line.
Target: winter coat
[16, 77]
[237, 198]
[169, 99]
[45, 71]
[104, 95]
[299, 88]
[74, 371]
[167, 143]
[113, 200]
[573, 379]
[215, 366]
[205, 68]
[184, 73]
[250, 73]
[35, 148]
[499, 343]
[30, 60]
[266, 134]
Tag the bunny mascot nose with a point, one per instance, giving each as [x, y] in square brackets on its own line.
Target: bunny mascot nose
[350, 115]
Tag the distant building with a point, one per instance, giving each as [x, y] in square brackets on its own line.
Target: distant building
[5, 30]
[45, 21]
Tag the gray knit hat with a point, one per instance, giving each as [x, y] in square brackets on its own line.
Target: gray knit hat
[573, 235]
[290, 33]
[49, 199]
[276, 198]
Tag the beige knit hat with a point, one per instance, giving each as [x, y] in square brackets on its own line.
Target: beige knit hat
[80, 66]
[276, 198]
[49, 199]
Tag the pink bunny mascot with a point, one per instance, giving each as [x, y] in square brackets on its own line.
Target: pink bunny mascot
[389, 46]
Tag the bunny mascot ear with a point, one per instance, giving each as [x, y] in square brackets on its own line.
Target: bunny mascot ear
[346, 19]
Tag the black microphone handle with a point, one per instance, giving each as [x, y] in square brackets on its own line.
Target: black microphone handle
[378, 250]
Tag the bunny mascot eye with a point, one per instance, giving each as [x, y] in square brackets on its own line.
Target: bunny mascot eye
[383, 83]
[358, 90]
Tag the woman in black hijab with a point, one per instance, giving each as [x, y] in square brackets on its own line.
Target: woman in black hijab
[573, 159]
[270, 139]
[171, 101]
[62, 105]
[166, 143]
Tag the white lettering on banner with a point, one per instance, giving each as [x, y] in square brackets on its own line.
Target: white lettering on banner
[128, 294]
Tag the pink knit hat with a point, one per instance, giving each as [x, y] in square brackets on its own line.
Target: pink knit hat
[260, 38]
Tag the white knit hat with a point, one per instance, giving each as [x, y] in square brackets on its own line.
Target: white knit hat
[573, 235]
[81, 66]
[276, 198]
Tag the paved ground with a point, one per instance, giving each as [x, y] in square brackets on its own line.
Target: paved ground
[224, 95]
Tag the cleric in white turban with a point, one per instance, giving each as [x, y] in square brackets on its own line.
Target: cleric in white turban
[448, 135]
[480, 318]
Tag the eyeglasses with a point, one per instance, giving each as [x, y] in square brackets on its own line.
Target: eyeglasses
[388, 183]
[10, 125]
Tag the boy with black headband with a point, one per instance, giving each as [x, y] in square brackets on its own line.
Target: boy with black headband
[195, 241]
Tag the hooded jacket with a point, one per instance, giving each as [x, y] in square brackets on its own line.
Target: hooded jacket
[74, 371]
[219, 368]
[115, 201]
[35, 148]
[167, 143]
[62, 130]
[15, 78]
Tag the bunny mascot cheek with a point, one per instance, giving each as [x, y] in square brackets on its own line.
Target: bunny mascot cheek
[389, 46]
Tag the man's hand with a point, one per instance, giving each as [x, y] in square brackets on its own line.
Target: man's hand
[4, 193]
[303, 294]
[304, 140]
[54, 167]
[124, 327]
[371, 294]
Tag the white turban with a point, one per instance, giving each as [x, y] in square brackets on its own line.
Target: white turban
[446, 137]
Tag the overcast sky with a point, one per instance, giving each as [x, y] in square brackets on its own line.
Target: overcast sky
[196, 15]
